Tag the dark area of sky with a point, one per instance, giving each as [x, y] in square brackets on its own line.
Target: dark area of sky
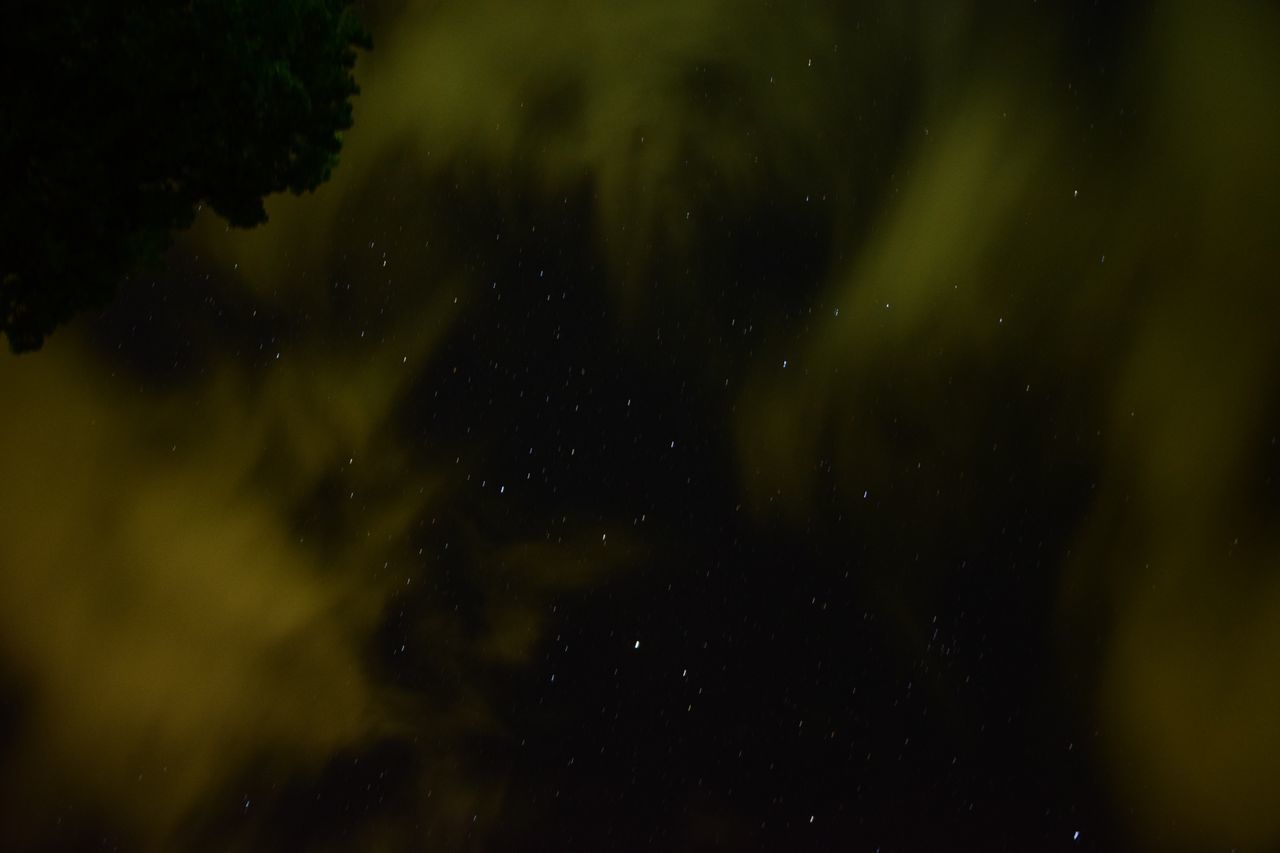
[684, 425]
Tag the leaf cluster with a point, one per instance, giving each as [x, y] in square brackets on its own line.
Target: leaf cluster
[120, 120]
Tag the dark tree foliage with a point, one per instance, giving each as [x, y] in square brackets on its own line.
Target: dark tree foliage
[118, 120]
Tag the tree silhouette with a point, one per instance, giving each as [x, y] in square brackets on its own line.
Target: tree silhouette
[119, 120]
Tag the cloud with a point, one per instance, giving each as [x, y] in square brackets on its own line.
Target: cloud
[1020, 287]
[1124, 300]
[171, 627]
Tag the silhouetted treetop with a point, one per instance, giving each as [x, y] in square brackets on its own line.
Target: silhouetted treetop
[119, 120]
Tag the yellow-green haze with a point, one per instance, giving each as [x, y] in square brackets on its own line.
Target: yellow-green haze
[172, 623]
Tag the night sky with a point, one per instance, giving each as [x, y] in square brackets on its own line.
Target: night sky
[684, 425]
